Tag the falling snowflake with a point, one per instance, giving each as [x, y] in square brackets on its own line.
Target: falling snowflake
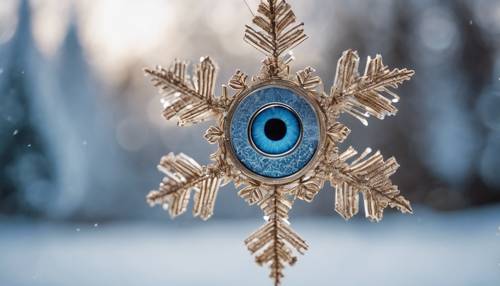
[278, 136]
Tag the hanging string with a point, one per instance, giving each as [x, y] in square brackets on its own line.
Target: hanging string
[248, 6]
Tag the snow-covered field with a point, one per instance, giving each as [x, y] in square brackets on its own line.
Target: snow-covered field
[423, 249]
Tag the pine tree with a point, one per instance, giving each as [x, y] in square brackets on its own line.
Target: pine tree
[26, 164]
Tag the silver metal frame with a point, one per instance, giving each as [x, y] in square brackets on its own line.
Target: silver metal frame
[288, 84]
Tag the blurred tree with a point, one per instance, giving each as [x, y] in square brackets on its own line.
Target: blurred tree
[475, 59]
[26, 169]
[91, 165]
[413, 173]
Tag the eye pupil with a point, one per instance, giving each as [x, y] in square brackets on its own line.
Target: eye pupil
[275, 129]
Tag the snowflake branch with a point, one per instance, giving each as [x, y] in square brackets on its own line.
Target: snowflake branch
[191, 100]
[307, 187]
[238, 81]
[308, 80]
[367, 95]
[370, 176]
[277, 33]
[182, 176]
[273, 242]
[254, 194]
[337, 133]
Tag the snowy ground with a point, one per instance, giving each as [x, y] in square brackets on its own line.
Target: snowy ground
[423, 249]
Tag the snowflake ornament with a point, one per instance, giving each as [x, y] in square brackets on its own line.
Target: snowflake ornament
[278, 136]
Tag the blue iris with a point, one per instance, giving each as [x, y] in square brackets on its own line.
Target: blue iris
[275, 130]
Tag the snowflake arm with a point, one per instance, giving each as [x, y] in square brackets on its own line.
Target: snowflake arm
[274, 243]
[189, 99]
[368, 175]
[275, 34]
[183, 176]
[366, 95]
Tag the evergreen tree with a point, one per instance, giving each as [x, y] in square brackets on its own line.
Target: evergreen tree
[26, 165]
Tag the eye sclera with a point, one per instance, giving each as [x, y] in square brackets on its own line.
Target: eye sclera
[309, 98]
[262, 110]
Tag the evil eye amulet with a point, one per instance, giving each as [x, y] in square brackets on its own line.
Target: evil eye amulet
[274, 131]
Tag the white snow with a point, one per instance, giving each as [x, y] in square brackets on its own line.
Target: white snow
[423, 249]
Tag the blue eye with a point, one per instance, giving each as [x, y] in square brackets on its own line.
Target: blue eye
[274, 131]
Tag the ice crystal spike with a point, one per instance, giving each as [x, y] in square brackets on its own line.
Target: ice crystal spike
[362, 96]
[190, 98]
[274, 243]
[182, 176]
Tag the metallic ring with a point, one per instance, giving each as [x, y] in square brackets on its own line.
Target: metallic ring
[265, 107]
[309, 97]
